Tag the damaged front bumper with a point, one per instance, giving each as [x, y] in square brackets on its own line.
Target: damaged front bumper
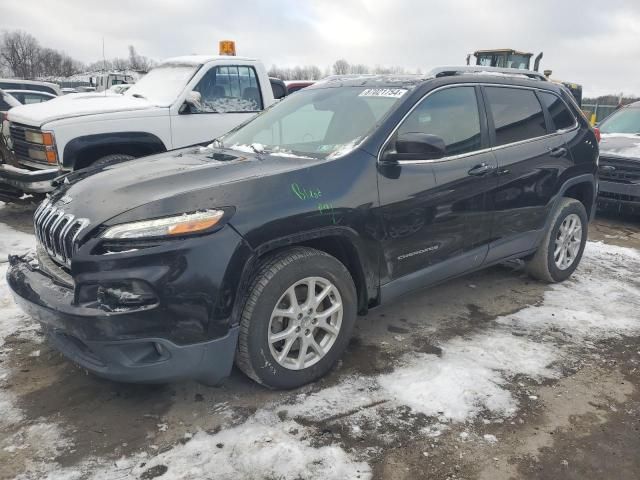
[167, 337]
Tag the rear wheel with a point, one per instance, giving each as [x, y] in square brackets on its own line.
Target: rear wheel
[562, 246]
[297, 318]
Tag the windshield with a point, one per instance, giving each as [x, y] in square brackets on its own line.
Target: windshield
[626, 120]
[520, 62]
[162, 85]
[317, 123]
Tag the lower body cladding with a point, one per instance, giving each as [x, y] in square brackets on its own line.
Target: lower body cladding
[154, 315]
[618, 195]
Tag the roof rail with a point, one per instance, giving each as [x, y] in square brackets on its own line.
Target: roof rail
[479, 69]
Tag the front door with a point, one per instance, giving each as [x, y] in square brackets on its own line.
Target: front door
[436, 213]
[229, 95]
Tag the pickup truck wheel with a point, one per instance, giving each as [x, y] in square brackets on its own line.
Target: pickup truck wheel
[297, 318]
[562, 246]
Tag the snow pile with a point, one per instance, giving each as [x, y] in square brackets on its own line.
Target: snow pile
[255, 450]
[44, 440]
[469, 377]
[263, 447]
[11, 318]
[602, 300]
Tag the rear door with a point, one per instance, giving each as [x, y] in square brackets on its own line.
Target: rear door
[229, 95]
[530, 159]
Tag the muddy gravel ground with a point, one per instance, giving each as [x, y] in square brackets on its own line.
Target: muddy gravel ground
[484, 377]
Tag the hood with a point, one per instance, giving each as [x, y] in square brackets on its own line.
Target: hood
[620, 145]
[37, 114]
[189, 178]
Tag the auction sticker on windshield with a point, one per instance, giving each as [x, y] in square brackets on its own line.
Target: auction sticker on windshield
[383, 92]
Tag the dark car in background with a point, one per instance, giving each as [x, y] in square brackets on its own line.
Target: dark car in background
[619, 186]
[265, 246]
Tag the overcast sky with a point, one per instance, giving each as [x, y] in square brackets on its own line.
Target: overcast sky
[595, 43]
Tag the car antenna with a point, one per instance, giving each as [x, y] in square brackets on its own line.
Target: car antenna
[104, 64]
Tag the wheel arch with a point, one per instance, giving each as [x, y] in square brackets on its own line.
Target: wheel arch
[83, 151]
[582, 188]
[342, 243]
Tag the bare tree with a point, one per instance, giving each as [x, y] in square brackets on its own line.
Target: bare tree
[359, 69]
[341, 67]
[20, 52]
[137, 62]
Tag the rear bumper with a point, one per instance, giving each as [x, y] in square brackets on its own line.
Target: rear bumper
[28, 181]
[618, 194]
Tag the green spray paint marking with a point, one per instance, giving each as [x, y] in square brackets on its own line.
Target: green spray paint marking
[305, 193]
[314, 194]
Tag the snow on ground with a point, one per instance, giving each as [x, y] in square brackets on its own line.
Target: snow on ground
[471, 377]
[46, 439]
[601, 301]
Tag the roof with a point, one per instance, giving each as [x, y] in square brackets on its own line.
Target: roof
[502, 50]
[372, 80]
[299, 82]
[29, 82]
[411, 80]
[202, 59]
[37, 92]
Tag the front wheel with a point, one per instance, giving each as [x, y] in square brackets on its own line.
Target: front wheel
[297, 318]
[563, 244]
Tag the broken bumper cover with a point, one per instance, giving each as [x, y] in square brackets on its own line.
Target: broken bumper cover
[116, 346]
[618, 194]
[28, 181]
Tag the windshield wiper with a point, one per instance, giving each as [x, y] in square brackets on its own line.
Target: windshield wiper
[138, 95]
[257, 148]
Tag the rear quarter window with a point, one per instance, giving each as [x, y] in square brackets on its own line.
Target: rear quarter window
[560, 114]
[517, 114]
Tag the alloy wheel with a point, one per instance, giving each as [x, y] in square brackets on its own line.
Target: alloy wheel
[568, 240]
[305, 323]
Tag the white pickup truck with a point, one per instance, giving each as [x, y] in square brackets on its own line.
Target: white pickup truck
[183, 101]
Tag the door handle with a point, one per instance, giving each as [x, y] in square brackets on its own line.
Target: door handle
[558, 152]
[481, 169]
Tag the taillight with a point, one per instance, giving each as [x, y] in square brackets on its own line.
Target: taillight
[596, 130]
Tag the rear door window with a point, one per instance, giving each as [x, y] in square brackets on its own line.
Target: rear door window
[517, 114]
[560, 114]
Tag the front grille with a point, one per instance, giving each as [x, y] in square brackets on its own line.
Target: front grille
[620, 170]
[57, 231]
[21, 146]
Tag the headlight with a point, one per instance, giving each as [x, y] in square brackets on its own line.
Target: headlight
[41, 138]
[166, 227]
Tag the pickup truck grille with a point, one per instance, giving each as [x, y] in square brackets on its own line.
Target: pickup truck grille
[57, 232]
[21, 146]
[619, 170]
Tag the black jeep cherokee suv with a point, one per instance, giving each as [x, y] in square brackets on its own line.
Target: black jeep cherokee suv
[266, 245]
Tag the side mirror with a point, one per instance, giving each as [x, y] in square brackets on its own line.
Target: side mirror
[417, 146]
[192, 102]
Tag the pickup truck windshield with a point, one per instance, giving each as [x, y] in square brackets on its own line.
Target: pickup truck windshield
[162, 85]
[623, 121]
[318, 122]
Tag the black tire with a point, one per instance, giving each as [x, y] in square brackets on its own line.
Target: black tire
[543, 265]
[273, 277]
[111, 160]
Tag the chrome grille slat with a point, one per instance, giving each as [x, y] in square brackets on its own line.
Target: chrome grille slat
[57, 232]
